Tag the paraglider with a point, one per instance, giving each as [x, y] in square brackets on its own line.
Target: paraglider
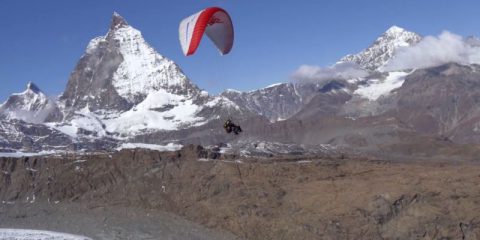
[229, 127]
[215, 22]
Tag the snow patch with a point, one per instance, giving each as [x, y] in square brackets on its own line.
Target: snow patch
[25, 154]
[304, 161]
[158, 99]
[273, 85]
[69, 130]
[221, 101]
[232, 90]
[29, 234]
[84, 119]
[168, 147]
[376, 88]
[160, 111]
[226, 149]
[204, 159]
[204, 93]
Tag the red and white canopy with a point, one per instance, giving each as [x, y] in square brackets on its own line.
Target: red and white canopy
[213, 21]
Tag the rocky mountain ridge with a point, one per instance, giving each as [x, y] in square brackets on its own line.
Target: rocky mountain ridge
[284, 100]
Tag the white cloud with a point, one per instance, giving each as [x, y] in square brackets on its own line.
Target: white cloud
[316, 74]
[434, 51]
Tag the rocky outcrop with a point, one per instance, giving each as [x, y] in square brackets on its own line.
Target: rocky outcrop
[293, 198]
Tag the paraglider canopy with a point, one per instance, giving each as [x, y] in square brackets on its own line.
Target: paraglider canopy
[214, 22]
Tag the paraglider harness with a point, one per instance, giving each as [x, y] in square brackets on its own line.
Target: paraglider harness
[229, 127]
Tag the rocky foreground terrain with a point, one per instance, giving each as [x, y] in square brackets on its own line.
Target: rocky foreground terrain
[139, 194]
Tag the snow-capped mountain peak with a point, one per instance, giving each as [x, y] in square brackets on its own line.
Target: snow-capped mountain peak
[384, 48]
[395, 30]
[31, 105]
[143, 69]
[120, 69]
[29, 99]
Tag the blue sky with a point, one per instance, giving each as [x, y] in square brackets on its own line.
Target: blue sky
[42, 40]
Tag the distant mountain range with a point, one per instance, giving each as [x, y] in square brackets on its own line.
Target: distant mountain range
[122, 90]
